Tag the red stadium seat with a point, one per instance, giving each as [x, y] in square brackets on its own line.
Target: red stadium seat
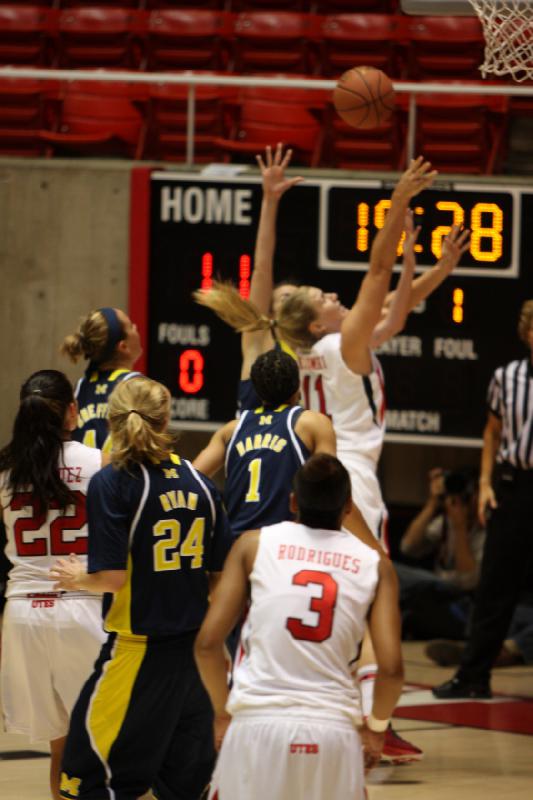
[263, 121]
[444, 47]
[99, 37]
[188, 39]
[24, 113]
[351, 39]
[275, 42]
[24, 34]
[380, 149]
[355, 6]
[98, 118]
[271, 5]
[166, 124]
[100, 3]
[190, 4]
[461, 133]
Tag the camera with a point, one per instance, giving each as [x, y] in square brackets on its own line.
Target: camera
[459, 483]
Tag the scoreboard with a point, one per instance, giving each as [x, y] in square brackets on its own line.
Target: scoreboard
[436, 370]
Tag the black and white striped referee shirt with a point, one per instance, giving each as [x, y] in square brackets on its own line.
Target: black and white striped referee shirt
[510, 398]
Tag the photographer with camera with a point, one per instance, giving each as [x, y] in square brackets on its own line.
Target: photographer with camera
[436, 603]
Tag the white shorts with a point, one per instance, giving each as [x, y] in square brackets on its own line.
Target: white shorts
[366, 494]
[268, 757]
[49, 645]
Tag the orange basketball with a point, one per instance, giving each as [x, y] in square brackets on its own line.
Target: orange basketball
[364, 97]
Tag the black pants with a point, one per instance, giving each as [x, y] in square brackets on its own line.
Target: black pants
[143, 719]
[507, 559]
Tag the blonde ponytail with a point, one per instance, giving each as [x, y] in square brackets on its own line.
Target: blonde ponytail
[238, 313]
[138, 414]
[89, 340]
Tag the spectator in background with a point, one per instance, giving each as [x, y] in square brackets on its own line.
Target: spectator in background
[506, 505]
[437, 603]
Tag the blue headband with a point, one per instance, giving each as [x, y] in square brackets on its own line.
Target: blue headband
[115, 333]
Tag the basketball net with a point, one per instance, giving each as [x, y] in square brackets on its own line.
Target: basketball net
[508, 31]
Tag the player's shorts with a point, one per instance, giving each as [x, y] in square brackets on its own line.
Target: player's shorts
[49, 645]
[143, 719]
[366, 494]
[275, 757]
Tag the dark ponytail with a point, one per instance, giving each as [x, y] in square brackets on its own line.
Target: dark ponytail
[32, 456]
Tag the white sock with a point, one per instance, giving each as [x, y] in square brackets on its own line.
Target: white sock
[366, 677]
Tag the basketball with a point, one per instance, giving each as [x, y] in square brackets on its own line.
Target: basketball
[364, 97]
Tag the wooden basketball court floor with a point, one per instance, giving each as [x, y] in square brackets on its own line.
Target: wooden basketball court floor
[473, 750]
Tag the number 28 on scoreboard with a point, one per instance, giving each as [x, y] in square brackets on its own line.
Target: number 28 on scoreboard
[355, 215]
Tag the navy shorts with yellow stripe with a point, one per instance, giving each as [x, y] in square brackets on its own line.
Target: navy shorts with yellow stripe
[143, 720]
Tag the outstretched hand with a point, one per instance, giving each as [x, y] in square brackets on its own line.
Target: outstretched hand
[454, 245]
[417, 177]
[272, 167]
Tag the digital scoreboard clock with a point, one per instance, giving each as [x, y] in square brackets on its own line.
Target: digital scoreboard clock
[436, 371]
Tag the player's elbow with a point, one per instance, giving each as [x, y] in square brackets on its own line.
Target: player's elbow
[207, 643]
[392, 670]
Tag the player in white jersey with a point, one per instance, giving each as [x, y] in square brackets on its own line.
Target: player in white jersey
[341, 377]
[49, 639]
[295, 730]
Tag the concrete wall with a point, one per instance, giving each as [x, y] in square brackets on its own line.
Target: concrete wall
[64, 229]
[63, 251]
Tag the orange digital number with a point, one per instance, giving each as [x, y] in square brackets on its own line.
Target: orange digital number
[492, 232]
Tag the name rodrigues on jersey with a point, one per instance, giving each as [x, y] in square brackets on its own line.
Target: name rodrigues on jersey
[326, 558]
[261, 441]
[189, 408]
[419, 421]
[194, 204]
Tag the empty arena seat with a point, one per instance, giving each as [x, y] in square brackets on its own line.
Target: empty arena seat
[190, 4]
[355, 6]
[99, 37]
[24, 113]
[25, 33]
[350, 39]
[461, 133]
[165, 136]
[270, 41]
[345, 147]
[98, 118]
[261, 122]
[188, 39]
[441, 47]
[271, 5]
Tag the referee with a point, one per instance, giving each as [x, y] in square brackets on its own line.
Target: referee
[506, 505]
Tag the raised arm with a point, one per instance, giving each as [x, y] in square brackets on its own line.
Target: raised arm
[359, 323]
[414, 542]
[275, 184]
[212, 457]
[454, 245]
[397, 305]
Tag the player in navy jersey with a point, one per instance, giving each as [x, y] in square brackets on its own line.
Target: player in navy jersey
[263, 449]
[263, 293]
[157, 534]
[109, 339]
